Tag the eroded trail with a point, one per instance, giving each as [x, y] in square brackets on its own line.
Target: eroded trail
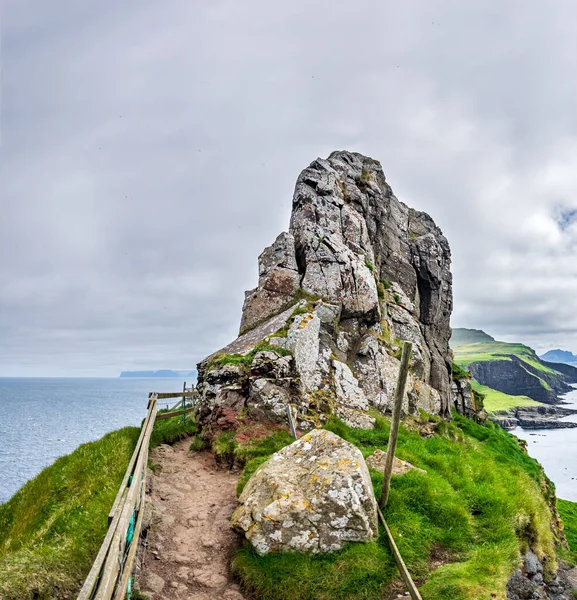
[189, 544]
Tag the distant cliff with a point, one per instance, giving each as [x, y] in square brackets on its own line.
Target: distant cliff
[161, 373]
[514, 369]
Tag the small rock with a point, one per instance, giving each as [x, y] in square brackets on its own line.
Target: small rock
[400, 467]
[154, 582]
[232, 593]
[532, 564]
[208, 579]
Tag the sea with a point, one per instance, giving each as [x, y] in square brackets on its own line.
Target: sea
[44, 418]
[556, 450]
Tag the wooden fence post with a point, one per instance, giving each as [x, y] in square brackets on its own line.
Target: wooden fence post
[398, 403]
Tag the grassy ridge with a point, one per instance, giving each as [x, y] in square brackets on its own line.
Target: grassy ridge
[481, 504]
[494, 401]
[52, 528]
[568, 512]
[490, 351]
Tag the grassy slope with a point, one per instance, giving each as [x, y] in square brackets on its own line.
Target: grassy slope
[495, 401]
[568, 512]
[476, 509]
[52, 528]
[466, 354]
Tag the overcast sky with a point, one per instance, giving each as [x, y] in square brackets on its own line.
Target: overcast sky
[149, 152]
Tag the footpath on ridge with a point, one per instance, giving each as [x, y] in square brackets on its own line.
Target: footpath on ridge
[189, 545]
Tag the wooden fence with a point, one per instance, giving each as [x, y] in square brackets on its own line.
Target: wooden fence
[110, 577]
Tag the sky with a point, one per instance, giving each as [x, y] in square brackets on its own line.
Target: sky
[149, 152]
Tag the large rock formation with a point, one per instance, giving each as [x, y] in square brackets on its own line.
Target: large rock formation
[358, 272]
[314, 495]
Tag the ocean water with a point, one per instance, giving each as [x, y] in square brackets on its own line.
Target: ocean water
[556, 450]
[42, 419]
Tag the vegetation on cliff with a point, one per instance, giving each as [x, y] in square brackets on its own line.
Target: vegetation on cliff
[495, 401]
[511, 373]
[52, 528]
[461, 527]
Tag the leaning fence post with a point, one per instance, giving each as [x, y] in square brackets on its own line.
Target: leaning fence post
[398, 403]
[290, 420]
[183, 402]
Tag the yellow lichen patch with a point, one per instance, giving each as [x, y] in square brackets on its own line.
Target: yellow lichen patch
[345, 463]
[314, 478]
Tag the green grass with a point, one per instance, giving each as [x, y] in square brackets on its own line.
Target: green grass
[466, 354]
[251, 454]
[52, 528]
[481, 504]
[169, 431]
[495, 401]
[568, 512]
[244, 360]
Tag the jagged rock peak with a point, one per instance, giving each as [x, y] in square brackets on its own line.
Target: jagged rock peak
[368, 272]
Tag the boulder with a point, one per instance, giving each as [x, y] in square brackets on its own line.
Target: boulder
[314, 495]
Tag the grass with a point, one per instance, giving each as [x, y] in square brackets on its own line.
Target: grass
[568, 512]
[244, 360]
[495, 401]
[481, 504]
[52, 528]
[459, 373]
[465, 354]
[250, 455]
[169, 431]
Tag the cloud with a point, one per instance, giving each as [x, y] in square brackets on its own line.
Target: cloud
[149, 152]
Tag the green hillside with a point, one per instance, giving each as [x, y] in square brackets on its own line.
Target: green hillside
[52, 528]
[495, 401]
[461, 336]
[480, 351]
[482, 503]
[512, 371]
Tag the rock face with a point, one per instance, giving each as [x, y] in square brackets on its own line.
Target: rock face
[535, 417]
[314, 495]
[357, 273]
[518, 378]
[528, 582]
[463, 398]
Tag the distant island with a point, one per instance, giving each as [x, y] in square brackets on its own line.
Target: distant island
[160, 373]
[560, 356]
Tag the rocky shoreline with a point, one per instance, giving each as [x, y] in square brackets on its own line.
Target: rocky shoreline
[534, 417]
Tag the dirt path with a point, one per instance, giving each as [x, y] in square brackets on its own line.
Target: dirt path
[189, 545]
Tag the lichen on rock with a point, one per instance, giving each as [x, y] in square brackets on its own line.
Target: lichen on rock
[357, 272]
[314, 495]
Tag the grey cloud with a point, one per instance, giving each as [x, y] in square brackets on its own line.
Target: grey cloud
[149, 153]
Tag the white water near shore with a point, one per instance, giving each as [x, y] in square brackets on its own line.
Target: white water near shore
[556, 450]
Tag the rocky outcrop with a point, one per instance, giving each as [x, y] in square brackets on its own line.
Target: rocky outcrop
[529, 582]
[463, 398]
[314, 495]
[357, 273]
[569, 371]
[377, 461]
[535, 417]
